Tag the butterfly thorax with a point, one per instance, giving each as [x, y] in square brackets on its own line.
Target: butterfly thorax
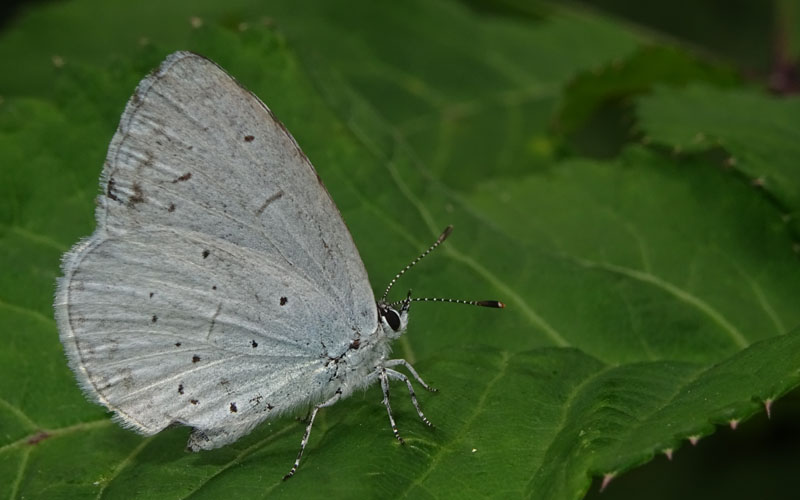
[354, 368]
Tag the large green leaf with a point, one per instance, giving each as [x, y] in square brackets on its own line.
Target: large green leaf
[649, 298]
[761, 134]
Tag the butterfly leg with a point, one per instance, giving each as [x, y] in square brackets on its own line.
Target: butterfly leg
[385, 386]
[399, 376]
[394, 362]
[303, 443]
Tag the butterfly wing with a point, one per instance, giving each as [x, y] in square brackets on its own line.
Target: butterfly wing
[220, 273]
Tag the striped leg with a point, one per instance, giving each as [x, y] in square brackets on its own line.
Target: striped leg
[385, 386]
[399, 376]
[303, 443]
[394, 362]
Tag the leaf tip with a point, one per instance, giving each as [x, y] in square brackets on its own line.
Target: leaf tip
[606, 480]
[694, 440]
[768, 407]
[734, 423]
[668, 453]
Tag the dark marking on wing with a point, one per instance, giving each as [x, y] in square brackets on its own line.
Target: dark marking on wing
[195, 358]
[177, 344]
[184, 177]
[213, 321]
[180, 388]
[214, 287]
[171, 208]
[269, 406]
[194, 401]
[149, 159]
[206, 253]
[284, 300]
[269, 200]
[254, 344]
[110, 189]
[154, 318]
[151, 294]
[354, 345]
[138, 195]
[233, 408]
[248, 138]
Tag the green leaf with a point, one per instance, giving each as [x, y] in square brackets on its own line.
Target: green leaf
[615, 85]
[649, 297]
[760, 134]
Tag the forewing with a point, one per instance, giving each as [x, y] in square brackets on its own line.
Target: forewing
[220, 272]
[197, 151]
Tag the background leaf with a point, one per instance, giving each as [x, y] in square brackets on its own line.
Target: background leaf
[650, 296]
[761, 134]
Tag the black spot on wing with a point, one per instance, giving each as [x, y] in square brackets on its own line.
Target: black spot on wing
[138, 196]
[111, 190]
[254, 344]
[154, 318]
[195, 358]
[171, 208]
[180, 388]
[183, 178]
[206, 253]
[194, 401]
[284, 300]
[233, 408]
[248, 138]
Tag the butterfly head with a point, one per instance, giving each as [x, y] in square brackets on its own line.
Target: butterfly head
[394, 316]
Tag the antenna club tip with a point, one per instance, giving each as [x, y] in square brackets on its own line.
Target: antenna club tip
[491, 303]
[445, 233]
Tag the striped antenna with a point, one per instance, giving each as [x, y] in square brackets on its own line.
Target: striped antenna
[482, 303]
[439, 240]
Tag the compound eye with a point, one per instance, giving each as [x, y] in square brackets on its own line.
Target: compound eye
[392, 318]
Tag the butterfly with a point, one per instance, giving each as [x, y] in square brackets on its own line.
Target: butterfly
[221, 287]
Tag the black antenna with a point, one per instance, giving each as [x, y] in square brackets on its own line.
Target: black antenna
[405, 302]
[439, 240]
[482, 303]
